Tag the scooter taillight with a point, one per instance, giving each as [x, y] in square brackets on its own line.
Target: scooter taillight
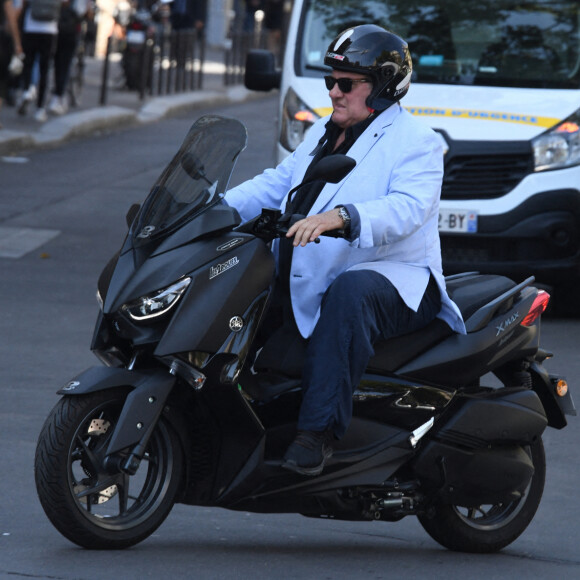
[538, 307]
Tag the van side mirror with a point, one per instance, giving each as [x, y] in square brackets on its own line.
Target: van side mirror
[261, 73]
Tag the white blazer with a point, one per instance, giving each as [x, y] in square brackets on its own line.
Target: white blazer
[395, 187]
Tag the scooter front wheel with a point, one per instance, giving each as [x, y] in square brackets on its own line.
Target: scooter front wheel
[92, 506]
[491, 527]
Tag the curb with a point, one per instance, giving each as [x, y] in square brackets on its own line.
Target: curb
[82, 123]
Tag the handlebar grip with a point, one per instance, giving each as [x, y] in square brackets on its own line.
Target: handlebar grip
[272, 224]
[333, 234]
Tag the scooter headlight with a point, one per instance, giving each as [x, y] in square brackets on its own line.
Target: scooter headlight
[560, 146]
[158, 303]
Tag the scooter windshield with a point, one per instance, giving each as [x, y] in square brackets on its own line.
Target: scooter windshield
[195, 179]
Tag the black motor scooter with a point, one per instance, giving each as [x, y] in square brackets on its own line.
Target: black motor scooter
[136, 58]
[181, 412]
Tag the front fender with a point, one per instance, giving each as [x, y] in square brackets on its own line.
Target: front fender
[142, 407]
[101, 378]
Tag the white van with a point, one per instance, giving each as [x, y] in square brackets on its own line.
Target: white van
[500, 81]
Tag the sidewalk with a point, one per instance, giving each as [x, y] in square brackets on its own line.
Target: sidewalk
[122, 107]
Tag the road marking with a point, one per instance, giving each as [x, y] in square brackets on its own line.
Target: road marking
[17, 242]
[12, 159]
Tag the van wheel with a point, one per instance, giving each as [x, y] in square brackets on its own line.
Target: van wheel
[488, 528]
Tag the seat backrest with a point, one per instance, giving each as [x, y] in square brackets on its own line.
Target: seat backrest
[472, 292]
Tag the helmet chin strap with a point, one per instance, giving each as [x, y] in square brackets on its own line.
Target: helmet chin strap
[379, 104]
[376, 103]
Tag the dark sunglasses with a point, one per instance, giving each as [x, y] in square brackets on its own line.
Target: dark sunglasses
[344, 84]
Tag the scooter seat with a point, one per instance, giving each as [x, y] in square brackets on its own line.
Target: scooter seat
[285, 350]
[472, 291]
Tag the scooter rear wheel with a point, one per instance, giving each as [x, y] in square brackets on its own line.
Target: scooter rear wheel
[491, 527]
[92, 506]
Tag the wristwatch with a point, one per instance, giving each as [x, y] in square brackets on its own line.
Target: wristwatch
[345, 217]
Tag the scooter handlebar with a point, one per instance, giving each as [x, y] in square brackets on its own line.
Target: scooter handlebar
[271, 224]
[297, 217]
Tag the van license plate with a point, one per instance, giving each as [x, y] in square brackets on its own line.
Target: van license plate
[457, 221]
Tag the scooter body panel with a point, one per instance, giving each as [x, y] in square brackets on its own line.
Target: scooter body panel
[461, 359]
[220, 291]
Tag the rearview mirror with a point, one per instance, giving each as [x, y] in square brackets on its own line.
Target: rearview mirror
[332, 169]
[194, 167]
[132, 214]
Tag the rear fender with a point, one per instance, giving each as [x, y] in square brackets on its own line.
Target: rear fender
[142, 408]
[556, 407]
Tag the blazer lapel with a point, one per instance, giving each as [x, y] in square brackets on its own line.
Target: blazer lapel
[358, 152]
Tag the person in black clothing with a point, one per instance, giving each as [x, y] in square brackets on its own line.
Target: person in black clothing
[188, 14]
[273, 23]
[39, 43]
[187, 19]
[251, 7]
[11, 54]
[69, 28]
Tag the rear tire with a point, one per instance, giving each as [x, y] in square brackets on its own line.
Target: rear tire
[93, 507]
[488, 528]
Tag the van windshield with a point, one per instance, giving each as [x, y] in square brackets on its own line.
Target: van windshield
[533, 44]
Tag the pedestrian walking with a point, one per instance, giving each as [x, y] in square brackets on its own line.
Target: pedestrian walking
[40, 30]
[69, 28]
[188, 14]
[273, 23]
[11, 54]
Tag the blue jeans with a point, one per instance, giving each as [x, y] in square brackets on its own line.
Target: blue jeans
[358, 309]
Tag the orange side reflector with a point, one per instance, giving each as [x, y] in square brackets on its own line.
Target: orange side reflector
[561, 388]
[538, 307]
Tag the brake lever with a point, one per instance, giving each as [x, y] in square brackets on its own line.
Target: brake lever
[330, 234]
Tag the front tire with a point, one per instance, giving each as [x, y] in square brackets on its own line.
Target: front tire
[488, 528]
[93, 507]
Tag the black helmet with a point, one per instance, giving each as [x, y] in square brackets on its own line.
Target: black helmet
[373, 51]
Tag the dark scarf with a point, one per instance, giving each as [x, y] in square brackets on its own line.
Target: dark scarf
[304, 198]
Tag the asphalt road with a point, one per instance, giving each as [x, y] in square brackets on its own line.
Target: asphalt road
[63, 211]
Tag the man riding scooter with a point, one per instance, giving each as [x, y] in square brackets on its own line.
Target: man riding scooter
[385, 277]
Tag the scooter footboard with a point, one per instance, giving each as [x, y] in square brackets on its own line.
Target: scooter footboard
[482, 438]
